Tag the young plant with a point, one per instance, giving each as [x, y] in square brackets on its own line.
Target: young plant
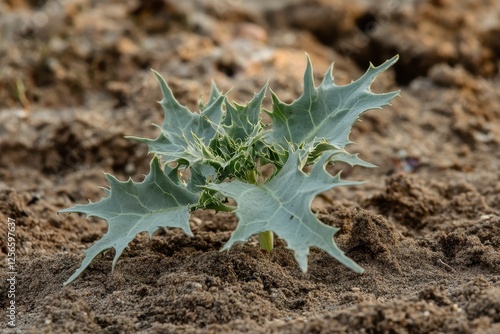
[222, 149]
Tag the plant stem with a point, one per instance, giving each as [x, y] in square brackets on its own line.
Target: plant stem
[266, 240]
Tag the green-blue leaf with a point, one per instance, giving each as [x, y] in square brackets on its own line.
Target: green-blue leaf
[327, 112]
[282, 205]
[241, 122]
[181, 128]
[161, 200]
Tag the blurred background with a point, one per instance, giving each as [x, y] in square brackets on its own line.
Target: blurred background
[75, 76]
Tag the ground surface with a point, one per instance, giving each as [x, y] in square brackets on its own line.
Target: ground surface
[74, 79]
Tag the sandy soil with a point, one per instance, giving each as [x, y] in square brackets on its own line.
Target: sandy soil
[75, 79]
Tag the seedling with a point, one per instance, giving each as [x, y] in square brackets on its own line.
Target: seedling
[223, 148]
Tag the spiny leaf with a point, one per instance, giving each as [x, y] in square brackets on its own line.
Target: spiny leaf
[240, 122]
[326, 112]
[161, 200]
[215, 94]
[317, 149]
[313, 151]
[181, 127]
[283, 206]
[228, 142]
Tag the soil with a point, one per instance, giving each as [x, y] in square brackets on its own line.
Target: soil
[75, 79]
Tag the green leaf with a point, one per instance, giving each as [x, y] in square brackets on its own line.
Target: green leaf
[282, 205]
[161, 200]
[241, 122]
[337, 154]
[182, 129]
[214, 96]
[222, 147]
[326, 112]
[202, 175]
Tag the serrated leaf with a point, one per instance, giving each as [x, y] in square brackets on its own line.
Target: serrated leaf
[181, 128]
[283, 206]
[241, 122]
[215, 94]
[201, 175]
[336, 154]
[227, 142]
[326, 112]
[161, 200]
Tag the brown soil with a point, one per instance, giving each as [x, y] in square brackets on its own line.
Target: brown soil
[74, 79]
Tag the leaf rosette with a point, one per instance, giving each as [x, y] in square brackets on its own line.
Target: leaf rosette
[223, 148]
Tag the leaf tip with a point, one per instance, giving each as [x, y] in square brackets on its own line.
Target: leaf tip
[386, 64]
[301, 259]
[66, 210]
[328, 76]
[115, 260]
[308, 77]
[159, 78]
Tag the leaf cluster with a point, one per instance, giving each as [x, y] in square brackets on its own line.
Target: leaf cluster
[222, 149]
